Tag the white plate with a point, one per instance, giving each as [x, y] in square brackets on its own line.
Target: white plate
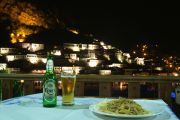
[153, 107]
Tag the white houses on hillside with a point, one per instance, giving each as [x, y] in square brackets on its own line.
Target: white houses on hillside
[14, 57]
[72, 46]
[33, 58]
[78, 47]
[32, 47]
[139, 61]
[6, 50]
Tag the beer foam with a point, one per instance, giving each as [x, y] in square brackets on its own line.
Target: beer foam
[68, 76]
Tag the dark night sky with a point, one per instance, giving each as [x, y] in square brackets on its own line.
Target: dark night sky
[125, 24]
[122, 24]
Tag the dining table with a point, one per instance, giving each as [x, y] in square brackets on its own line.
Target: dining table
[30, 107]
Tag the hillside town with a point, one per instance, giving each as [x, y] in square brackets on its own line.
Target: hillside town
[95, 57]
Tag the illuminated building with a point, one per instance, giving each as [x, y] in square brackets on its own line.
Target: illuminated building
[6, 50]
[32, 47]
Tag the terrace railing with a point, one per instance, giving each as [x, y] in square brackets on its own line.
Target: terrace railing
[31, 82]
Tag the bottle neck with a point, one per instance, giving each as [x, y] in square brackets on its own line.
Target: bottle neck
[49, 66]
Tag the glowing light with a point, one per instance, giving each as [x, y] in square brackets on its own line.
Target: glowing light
[57, 52]
[105, 72]
[13, 41]
[44, 60]
[33, 60]
[129, 61]
[93, 63]
[91, 47]
[159, 68]
[144, 46]
[12, 35]
[22, 81]
[175, 74]
[23, 35]
[3, 66]
[17, 37]
[39, 71]
[75, 48]
[127, 55]
[10, 58]
[74, 31]
[107, 56]
[105, 47]
[102, 43]
[21, 40]
[116, 65]
[83, 46]
[121, 86]
[140, 61]
[109, 46]
[170, 65]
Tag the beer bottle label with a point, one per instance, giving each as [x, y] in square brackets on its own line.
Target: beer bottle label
[49, 90]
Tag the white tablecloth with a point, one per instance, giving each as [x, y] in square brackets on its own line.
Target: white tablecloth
[30, 108]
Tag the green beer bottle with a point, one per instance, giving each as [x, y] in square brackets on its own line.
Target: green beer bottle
[50, 84]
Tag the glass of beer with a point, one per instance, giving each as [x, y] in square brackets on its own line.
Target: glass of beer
[68, 80]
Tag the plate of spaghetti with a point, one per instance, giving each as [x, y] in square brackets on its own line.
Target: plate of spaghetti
[127, 108]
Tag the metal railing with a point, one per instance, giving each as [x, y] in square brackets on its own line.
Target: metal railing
[32, 82]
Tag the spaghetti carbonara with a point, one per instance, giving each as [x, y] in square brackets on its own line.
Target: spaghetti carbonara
[122, 106]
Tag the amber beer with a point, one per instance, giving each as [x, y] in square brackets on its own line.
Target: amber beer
[68, 80]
